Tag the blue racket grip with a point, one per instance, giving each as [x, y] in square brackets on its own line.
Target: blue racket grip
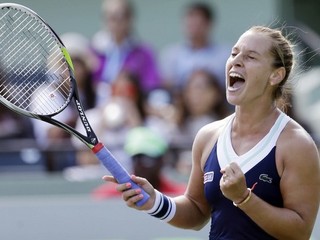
[117, 170]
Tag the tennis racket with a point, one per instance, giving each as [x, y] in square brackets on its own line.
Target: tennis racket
[37, 79]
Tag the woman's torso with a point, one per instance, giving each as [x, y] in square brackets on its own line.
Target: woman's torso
[259, 166]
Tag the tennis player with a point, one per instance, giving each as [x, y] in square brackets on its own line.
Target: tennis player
[256, 173]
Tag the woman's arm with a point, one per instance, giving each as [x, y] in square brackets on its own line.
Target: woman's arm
[298, 162]
[193, 211]
[300, 188]
[192, 208]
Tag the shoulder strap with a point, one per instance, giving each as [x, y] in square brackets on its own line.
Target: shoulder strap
[226, 153]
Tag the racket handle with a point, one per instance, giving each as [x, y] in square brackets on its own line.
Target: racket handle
[117, 170]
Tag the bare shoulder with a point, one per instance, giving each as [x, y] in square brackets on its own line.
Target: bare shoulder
[296, 146]
[296, 138]
[206, 138]
[298, 165]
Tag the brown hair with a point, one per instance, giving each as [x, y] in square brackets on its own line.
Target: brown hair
[282, 51]
[207, 12]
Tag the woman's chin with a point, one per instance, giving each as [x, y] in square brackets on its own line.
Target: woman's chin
[232, 101]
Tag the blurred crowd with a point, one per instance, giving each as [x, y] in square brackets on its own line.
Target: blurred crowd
[125, 85]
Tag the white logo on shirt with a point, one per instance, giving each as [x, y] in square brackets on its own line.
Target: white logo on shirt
[208, 177]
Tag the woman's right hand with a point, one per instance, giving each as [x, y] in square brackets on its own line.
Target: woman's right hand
[132, 196]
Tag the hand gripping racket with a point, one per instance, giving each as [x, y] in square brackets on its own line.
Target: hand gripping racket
[37, 79]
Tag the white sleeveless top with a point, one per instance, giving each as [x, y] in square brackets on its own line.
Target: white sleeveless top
[246, 161]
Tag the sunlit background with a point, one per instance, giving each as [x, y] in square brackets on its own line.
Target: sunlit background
[41, 199]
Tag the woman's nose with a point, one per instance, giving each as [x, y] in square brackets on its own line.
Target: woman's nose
[237, 60]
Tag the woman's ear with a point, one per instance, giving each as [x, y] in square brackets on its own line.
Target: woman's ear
[277, 76]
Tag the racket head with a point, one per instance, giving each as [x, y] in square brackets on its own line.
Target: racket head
[36, 71]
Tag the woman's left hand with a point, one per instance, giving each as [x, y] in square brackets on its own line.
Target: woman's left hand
[233, 183]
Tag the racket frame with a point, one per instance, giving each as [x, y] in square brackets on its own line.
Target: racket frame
[90, 139]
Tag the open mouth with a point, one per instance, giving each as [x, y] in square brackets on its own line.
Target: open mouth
[235, 81]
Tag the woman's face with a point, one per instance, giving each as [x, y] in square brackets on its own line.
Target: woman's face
[249, 69]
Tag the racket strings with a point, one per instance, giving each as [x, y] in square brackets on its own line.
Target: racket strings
[34, 75]
[63, 93]
[32, 67]
[12, 64]
[23, 70]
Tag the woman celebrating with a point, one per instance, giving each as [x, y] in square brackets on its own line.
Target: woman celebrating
[255, 173]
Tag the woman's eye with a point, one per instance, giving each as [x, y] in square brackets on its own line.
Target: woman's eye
[233, 54]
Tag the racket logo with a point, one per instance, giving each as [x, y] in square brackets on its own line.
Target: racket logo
[82, 116]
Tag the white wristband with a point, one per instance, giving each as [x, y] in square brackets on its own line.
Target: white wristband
[164, 207]
[156, 203]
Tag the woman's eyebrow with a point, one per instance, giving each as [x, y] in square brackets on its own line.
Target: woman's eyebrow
[253, 52]
[248, 51]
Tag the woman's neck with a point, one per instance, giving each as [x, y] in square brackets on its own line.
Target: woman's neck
[255, 120]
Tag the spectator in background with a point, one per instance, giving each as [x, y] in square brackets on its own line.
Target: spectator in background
[147, 150]
[118, 48]
[84, 63]
[13, 125]
[198, 51]
[202, 101]
[111, 121]
[161, 113]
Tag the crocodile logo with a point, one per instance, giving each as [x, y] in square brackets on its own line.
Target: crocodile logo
[264, 177]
